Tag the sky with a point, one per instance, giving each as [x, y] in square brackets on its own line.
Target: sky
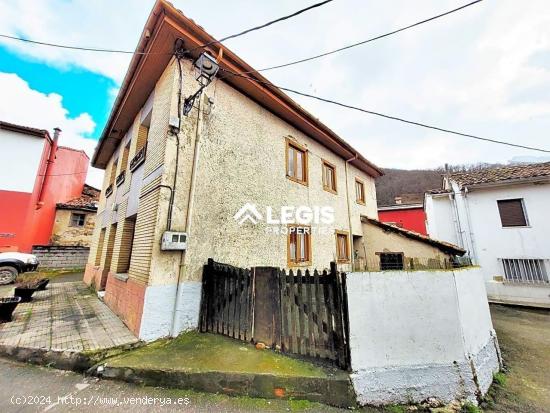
[484, 70]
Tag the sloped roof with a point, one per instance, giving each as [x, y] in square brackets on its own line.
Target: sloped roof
[166, 24]
[446, 247]
[87, 201]
[43, 133]
[502, 174]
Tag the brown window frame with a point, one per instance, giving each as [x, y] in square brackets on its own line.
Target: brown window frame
[296, 263]
[324, 166]
[508, 224]
[305, 172]
[337, 235]
[360, 201]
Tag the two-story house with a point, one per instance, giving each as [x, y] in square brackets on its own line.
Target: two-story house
[500, 216]
[202, 166]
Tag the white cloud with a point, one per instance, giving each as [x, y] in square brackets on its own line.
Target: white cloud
[22, 105]
[472, 71]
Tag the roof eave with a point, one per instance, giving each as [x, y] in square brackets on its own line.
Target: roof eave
[165, 16]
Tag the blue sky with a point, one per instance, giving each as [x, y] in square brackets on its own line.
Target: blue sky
[81, 89]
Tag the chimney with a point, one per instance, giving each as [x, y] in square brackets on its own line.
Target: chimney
[56, 132]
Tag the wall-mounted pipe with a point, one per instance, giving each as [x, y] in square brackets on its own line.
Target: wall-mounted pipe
[49, 164]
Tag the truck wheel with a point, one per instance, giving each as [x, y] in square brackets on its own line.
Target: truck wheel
[8, 274]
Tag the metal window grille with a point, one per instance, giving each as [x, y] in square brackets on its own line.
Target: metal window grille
[525, 270]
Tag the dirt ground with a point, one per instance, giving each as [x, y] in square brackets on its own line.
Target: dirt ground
[524, 338]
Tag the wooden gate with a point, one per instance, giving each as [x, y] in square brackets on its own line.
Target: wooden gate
[298, 312]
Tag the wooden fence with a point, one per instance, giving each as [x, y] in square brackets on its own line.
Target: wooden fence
[298, 312]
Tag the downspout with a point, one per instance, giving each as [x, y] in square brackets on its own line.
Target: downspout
[188, 214]
[49, 163]
[349, 211]
[469, 218]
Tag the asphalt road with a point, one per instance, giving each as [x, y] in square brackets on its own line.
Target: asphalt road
[27, 388]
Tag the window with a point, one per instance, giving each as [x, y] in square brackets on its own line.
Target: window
[124, 162]
[525, 270]
[342, 246]
[359, 191]
[329, 177]
[299, 245]
[143, 134]
[126, 245]
[78, 220]
[391, 261]
[113, 171]
[512, 213]
[99, 250]
[296, 162]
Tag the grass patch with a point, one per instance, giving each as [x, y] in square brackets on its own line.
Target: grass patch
[499, 378]
[470, 408]
[198, 352]
[48, 273]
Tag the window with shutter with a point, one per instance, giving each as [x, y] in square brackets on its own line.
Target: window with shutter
[512, 213]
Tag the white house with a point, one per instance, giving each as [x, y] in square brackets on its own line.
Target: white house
[500, 216]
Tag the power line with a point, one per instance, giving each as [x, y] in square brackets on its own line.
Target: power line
[102, 50]
[223, 39]
[307, 59]
[396, 118]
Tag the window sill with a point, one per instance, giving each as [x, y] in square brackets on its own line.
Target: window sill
[299, 264]
[517, 227]
[122, 277]
[305, 183]
[360, 203]
[332, 191]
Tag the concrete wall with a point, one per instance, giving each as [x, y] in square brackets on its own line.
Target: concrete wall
[415, 335]
[52, 256]
[487, 241]
[377, 240]
[65, 234]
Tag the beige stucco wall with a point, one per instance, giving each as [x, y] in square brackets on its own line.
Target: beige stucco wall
[242, 159]
[377, 240]
[64, 234]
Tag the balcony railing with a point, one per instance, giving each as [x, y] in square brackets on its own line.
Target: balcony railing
[138, 159]
[109, 191]
[120, 178]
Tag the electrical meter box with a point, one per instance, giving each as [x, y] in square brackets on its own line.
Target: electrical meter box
[174, 241]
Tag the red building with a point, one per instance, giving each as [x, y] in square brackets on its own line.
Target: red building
[35, 175]
[407, 216]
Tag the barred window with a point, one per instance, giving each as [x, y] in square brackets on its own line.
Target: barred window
[525, 270]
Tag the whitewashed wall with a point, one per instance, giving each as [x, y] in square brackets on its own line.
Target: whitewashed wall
[19, 160]
[415, 335]
[487, 241]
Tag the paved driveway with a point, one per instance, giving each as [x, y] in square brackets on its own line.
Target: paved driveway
[66, 316]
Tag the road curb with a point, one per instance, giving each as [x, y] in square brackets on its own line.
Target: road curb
[334, 391]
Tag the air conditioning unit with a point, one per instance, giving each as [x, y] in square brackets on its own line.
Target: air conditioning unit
[174, 241]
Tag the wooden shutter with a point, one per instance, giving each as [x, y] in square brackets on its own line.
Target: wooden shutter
[512, 213]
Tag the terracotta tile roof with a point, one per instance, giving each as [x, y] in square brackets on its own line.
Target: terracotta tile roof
[438, 191]
[87, 201]
[502, 174]
[446, 247]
